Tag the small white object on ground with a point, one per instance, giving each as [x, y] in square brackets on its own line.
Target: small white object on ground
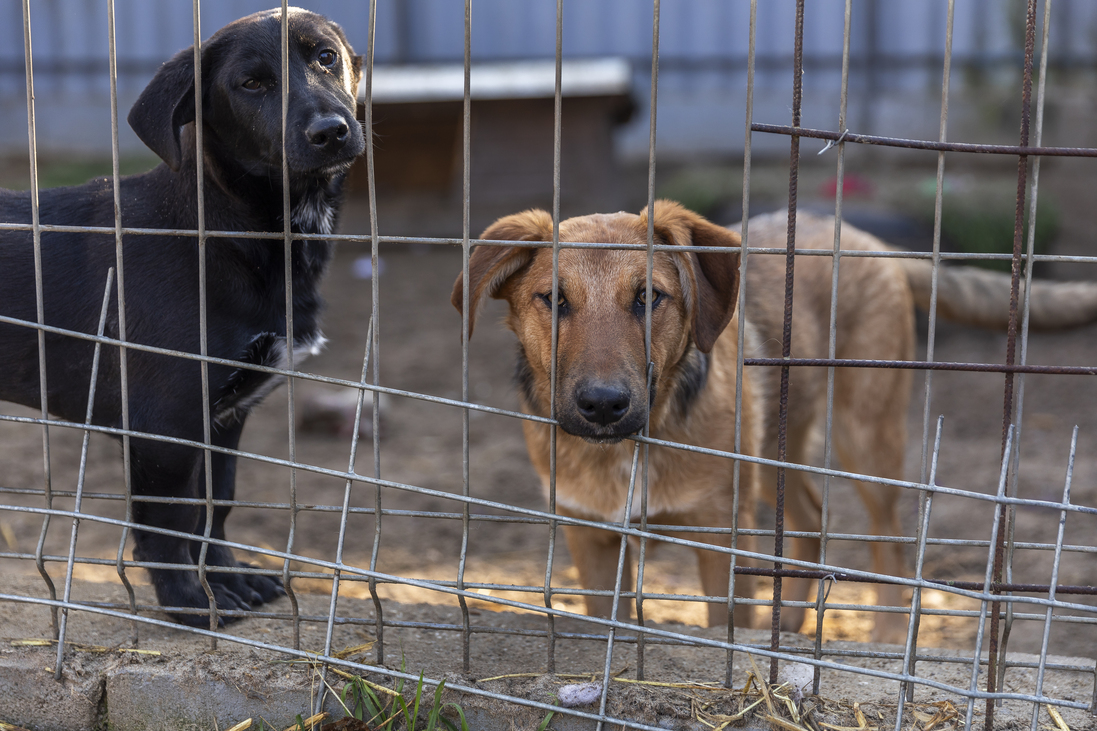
[579, 694]
[363, 267]
[330, 411]
[799, 676]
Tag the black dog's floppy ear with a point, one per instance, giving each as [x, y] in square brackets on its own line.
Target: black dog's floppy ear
[491, 266]
[715, 275]
[165, 106]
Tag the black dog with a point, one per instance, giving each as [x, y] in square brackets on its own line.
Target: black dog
[245, 278]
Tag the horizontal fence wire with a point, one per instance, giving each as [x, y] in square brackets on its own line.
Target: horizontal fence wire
[1001, 600]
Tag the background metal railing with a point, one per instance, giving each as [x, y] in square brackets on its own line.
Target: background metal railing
[997, 596]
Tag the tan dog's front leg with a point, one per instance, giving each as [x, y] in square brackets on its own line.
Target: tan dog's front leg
[594, 553]
[715, 568]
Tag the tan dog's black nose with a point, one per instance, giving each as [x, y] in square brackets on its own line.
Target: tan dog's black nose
[602, 403]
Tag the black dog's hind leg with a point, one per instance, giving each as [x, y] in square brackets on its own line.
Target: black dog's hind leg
[251, 589]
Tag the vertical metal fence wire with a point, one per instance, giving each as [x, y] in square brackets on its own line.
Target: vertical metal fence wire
[1009, 406]
[1011, 342]
[123, 357]
[200, 208]
[81, 473]
[622, 568]
[650, 367]
[344, 514]
[557, 131]
[466, 190]
[931, 339]
[287, 232]
[1046, 636]
[786, 336]
[925, 506]
[369, 349]
[992, 568]
[1034, 186]
[832, 329]
[375, 300]
[998, 596]
[39, 304]
[740, 338]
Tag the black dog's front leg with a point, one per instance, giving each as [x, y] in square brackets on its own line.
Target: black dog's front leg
[158, 469]
[167, 470]
[250, 589]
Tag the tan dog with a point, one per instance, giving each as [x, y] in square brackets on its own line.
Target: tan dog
[602, 394]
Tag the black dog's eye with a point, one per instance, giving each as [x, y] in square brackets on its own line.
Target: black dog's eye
[561, 301]
[327, 57]
[253, 85]
[641, 299]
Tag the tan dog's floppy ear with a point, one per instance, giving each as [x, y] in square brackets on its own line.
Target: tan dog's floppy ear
[491, 266]
[715, 275]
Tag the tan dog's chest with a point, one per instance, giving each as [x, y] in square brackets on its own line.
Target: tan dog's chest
[593, 480]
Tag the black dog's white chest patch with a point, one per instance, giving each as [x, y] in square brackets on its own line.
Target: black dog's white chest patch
[314, 214]
[245, 388]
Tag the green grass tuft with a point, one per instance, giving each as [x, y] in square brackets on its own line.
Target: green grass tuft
[364, 704]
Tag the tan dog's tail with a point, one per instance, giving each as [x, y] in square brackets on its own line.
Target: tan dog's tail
[979, 297]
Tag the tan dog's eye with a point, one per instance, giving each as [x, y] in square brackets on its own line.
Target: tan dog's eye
[642, 298]
[639, 305]
[561, 301]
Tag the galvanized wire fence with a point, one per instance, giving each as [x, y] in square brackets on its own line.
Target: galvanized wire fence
[1001, 602]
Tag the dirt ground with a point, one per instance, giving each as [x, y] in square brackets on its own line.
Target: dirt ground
[679, 692]
[421, 446]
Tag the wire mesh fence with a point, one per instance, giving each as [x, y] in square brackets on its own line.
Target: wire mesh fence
[991, 606]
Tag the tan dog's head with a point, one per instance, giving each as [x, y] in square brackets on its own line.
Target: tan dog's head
[601, 391]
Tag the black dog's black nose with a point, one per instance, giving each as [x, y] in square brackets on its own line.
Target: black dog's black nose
[328, 133]
[601, 403]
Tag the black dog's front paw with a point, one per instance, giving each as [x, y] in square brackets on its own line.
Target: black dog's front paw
[267, 588]
[226, 599]
[250, 589]
[232, 592]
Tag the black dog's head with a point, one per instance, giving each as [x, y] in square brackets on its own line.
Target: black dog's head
[242, 97]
